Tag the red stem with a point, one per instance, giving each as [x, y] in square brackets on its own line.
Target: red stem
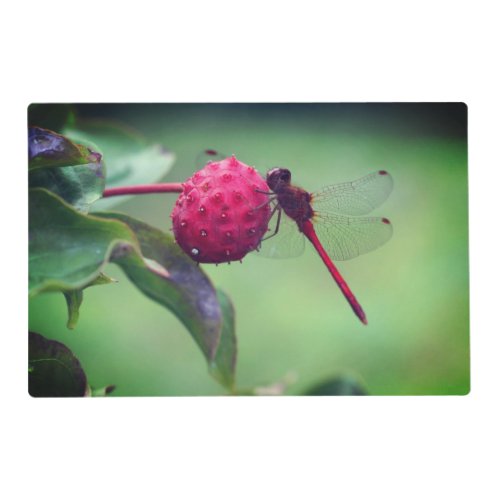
[143, 189]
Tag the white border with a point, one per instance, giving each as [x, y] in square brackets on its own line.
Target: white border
[405, 447]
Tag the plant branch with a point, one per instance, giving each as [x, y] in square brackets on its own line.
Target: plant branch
[143, 189]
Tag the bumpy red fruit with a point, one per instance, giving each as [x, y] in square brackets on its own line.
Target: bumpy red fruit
[220, 216]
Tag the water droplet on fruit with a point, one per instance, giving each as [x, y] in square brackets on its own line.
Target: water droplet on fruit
[202, 209]
[252, 231]
[229, 234]
[227, 252]
[223, 215]
[203, 233]
[195, 251]
[184, 223]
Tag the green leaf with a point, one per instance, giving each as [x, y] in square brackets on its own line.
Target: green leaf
[174, 281]
[130, 158]
[338, 386]
[223, 366]
[74, 172]
[53, 370]
[74, 299]
[67, 250]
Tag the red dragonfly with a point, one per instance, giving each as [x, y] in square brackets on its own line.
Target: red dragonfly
[329, 219]
[326, 219]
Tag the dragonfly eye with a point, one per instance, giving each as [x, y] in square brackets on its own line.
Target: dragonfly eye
[277, 177]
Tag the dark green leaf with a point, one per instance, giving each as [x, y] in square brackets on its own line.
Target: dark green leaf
[72, 171]
[67, 249]
[338, 386]
[53, 370]
[47, 149]
[223, 366]
[130, 159]
[174, 281]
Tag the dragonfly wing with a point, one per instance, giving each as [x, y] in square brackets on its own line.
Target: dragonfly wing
[358, 197]
[347, 237]
[286, 243]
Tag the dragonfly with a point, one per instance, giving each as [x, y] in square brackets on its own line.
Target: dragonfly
[333, 219]
[330, 220]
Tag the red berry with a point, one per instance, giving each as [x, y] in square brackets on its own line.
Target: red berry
[220, 216]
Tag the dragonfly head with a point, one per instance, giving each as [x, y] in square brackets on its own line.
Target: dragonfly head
[277, 178]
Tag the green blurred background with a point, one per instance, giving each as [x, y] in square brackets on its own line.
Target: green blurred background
[290, 315]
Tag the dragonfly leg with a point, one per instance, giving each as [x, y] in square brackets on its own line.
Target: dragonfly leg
[278, 220]
[269, 193]
[265, 203]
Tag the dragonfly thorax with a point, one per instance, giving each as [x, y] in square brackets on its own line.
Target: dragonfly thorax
[296, 204]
